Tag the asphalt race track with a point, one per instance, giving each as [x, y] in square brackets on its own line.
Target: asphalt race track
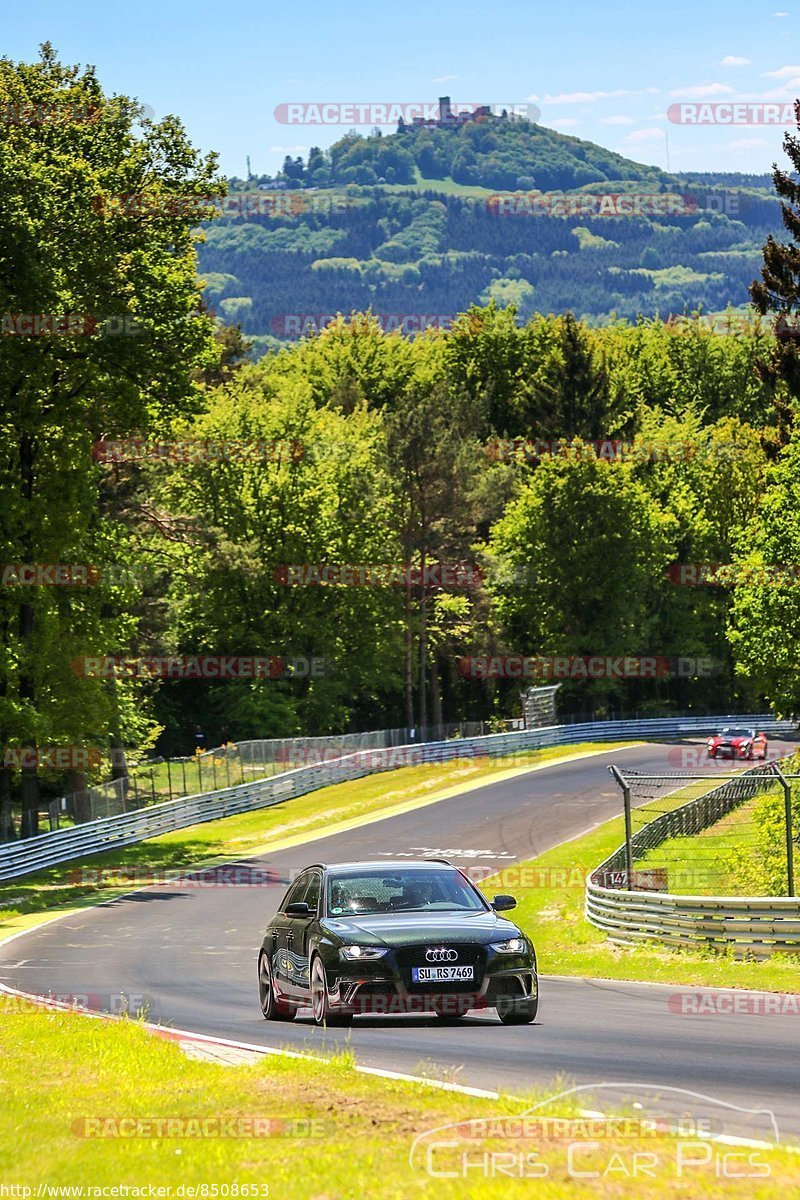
[189, 953]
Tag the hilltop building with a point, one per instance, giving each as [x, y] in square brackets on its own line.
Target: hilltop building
[448, 119]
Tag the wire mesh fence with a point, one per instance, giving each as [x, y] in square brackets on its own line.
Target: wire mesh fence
[157, 779]
[690, 834]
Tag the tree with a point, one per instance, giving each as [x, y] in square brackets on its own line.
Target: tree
[569, 393]
[764, 628]
[778, 291]
[98, 286]
[591, 546]
[436, 459]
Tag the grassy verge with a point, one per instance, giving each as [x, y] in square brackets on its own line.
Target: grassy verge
[550, 892]
[101, 876]
[701, 865]
[301, 1129]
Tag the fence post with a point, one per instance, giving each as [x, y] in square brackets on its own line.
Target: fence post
[169, 779]
[626, 799]
[787, 802]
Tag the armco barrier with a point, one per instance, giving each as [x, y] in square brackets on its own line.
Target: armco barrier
[755, 925]
[95, 837]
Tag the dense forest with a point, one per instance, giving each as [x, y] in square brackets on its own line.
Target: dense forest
[419, 225]
[414, 517]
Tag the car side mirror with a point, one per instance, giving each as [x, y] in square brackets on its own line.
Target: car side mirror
[298, 909]
[503, 903]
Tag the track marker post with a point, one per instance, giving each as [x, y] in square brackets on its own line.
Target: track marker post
[787, 800]
[626, 800]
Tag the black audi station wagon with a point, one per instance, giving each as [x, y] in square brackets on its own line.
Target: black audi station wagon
[394, 937]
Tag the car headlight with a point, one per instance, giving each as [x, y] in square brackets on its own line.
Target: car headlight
[512, 946]
[359, 953]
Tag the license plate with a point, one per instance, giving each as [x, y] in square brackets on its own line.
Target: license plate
[442, 974]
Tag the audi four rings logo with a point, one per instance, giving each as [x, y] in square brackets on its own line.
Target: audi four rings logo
[441, 955]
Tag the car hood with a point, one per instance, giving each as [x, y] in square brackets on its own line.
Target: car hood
[422, 928]
[732, 741]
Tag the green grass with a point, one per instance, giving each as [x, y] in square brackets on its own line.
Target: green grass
[701, 865]
[101, 876]
[65, 1076]
[550, 891]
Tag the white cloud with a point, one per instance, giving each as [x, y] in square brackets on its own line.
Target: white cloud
[749, 143]
[780, 14]
[444, 78]
[787, 91]
[734, 60]
[644, 135]
[783, 73]
[564, 122]
[617, 120]
[591, 97]
[703, 89]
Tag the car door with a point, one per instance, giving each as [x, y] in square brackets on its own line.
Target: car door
[297, 936]
[282, 929]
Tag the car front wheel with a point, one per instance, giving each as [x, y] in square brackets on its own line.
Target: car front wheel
[320, 998]
[518, 1012]
[271, 1008]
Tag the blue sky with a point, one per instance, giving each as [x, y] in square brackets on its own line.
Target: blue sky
[593, 70]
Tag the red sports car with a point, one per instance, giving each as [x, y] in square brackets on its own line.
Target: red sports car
[738, 743]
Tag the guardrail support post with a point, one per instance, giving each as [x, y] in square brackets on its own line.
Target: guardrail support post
[626, 800]
[787, 801]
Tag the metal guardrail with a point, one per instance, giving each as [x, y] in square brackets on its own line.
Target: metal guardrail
[756, 925]
[110, 833]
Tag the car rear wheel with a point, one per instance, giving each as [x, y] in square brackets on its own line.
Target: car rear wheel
[271, 1008]
[320, 998]
[518, 1012]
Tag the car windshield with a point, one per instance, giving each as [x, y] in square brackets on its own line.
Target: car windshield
[737, 733]
[382, 891]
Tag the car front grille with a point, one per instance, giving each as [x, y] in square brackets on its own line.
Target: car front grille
[469, 954]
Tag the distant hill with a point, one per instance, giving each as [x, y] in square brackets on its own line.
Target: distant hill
[498, 153]
[411, 225]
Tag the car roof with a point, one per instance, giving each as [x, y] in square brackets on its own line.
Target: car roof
[389, 864]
